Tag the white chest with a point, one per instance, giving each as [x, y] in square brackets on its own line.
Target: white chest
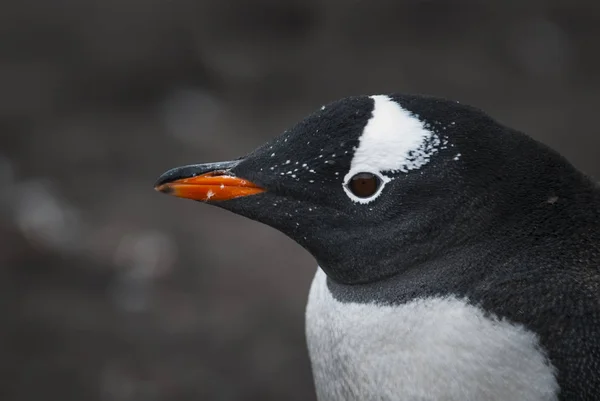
[433, 349]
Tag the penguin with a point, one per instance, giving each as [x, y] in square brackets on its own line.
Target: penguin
[458, 259]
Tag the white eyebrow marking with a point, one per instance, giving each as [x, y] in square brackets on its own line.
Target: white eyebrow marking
[394, 140]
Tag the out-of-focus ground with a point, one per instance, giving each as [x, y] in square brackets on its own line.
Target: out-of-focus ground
[110, 291]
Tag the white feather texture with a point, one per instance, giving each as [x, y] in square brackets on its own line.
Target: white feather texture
[393, 140]
[432, 349]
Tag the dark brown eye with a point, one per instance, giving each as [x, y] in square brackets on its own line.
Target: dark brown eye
[364, 185]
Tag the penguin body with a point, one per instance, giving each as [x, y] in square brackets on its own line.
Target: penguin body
[458, 259]
[418, 350]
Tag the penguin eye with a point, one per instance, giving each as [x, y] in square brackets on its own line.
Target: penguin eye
[364, 185]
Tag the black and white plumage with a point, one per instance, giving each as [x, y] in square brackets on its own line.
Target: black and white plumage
[458, 259]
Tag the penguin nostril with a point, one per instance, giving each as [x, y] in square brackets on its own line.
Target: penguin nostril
[364, 185]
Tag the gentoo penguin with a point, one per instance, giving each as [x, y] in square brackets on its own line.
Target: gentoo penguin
[458, 258]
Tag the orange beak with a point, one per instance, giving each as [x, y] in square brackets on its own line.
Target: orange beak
[210, 186]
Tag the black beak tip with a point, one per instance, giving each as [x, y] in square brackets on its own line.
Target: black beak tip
[189, 171]
[163, 188]
[165, 178]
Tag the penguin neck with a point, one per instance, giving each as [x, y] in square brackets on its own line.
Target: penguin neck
[429, 233]
[424, 234]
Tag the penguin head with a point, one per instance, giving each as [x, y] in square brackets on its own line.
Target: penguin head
[372, 185]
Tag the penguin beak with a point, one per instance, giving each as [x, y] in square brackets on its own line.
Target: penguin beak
[206, 182]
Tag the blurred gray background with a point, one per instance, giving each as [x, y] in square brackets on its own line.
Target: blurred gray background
[110, 291]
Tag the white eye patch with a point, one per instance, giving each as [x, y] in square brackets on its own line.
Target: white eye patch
[347, 186]
[394, 140]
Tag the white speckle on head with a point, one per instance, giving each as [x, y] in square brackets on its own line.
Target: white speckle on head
[287, 162]
[322, 108]
[303, 164]
[293, 175]
[311, 171]
[437, 348]
[272, 154]
[394, 140]
[311, 181]
[210, 194]
[457, 156]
